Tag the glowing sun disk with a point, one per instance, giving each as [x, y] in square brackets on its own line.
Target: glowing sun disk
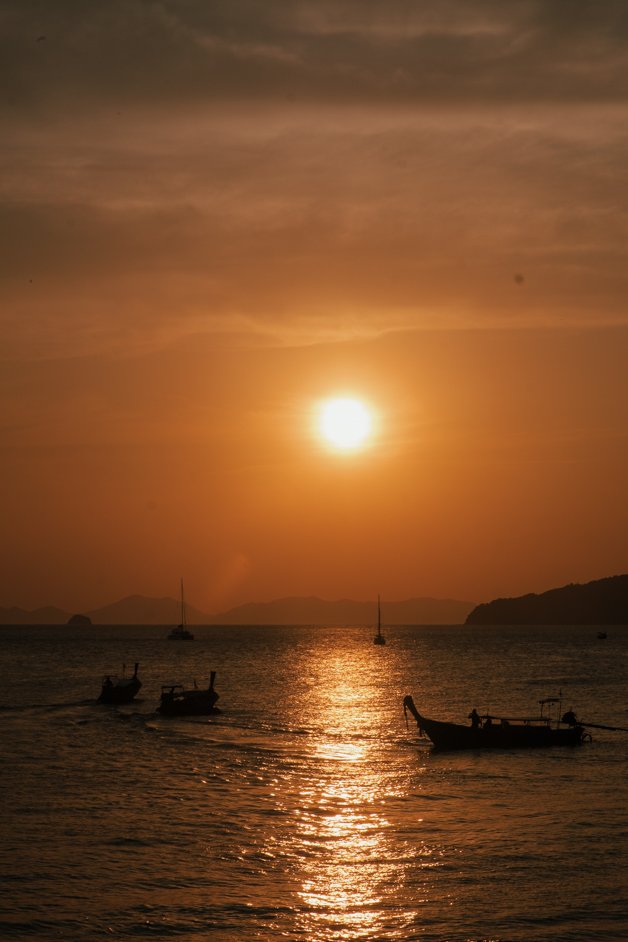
[345, 423]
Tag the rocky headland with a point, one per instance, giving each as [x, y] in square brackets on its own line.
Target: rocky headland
[602, 602]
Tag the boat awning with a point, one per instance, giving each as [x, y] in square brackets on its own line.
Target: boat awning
[517, 719]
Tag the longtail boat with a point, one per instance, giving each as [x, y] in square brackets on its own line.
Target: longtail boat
[119, 689]
[177, 700]
[502, 732]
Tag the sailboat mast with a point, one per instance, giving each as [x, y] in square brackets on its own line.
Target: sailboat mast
[183, 621]
[379, 638]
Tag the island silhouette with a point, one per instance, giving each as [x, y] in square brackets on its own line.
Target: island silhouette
[601, 602]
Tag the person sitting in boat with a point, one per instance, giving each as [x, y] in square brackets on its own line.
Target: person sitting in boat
[569, 718]
[474, 716]
[488, 722]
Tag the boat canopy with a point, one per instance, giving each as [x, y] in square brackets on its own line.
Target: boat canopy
[515, 719]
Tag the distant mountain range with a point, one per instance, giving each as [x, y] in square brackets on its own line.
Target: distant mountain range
[601, 602]
[139, 610]
[315, 611]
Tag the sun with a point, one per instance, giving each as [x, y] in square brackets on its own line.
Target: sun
[345, 423]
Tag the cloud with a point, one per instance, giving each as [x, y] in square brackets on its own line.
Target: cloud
[291, 173]
[127, 51]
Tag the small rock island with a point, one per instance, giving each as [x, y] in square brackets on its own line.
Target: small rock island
[79, 620]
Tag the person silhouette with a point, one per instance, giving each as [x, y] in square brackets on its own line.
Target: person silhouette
[474, 716]
[569, 718]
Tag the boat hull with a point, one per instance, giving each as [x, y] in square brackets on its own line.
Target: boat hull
[448, 736]
[122, 692]
[188, 703]
[177, 701]
[180, 634]
[120, 689]
[500, 735]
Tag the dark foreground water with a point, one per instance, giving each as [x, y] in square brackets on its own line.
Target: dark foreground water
[307, 810]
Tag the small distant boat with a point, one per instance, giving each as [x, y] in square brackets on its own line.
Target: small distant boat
[181, 632]
[119, 689]
[379, 638]
[176, 700]
[602, 635]
[493, 732]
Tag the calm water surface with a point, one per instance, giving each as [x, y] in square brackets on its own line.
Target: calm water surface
[308, 810]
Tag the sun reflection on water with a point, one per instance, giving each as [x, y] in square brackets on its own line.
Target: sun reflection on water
[344, 869]
[350, 874]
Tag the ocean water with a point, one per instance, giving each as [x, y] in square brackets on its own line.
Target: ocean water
[308, 810]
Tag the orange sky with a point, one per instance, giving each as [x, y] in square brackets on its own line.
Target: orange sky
[214, 215]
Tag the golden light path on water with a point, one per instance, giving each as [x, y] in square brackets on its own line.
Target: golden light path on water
[350, 875]
[348, 890]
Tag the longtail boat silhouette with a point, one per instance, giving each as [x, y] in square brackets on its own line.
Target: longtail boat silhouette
[488, 731]
[176, 700]
[120, 689]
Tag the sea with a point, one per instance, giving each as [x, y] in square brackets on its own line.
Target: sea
[308, 809]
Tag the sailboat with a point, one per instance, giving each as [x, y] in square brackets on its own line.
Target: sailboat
[181, 632]
[379, 638]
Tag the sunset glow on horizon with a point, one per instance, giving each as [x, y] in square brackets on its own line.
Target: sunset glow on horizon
[429, 223]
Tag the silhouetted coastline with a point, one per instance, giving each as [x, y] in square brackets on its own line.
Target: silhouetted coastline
[601, 602]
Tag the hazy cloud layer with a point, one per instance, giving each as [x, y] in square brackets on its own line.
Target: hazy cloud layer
[303, 171]
[134, 51]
